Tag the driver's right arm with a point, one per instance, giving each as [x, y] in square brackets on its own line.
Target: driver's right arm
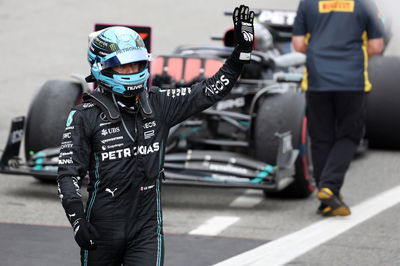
[73, 164]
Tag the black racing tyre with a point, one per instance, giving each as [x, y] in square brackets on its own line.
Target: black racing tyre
[383, 103]
[47, 114]
[279, 113]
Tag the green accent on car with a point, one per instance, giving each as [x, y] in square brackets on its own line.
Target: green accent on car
[268, 169]
[187, 133]
[38, 164]
[39, 161]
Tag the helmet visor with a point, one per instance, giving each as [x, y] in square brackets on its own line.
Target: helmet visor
[125, 56]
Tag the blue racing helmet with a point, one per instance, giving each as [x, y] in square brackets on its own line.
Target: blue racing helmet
[115, 46]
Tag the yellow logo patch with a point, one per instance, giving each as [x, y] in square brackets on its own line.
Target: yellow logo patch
[336, 6]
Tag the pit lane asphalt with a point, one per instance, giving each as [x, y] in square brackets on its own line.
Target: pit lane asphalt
[53, 245]
[46, 39]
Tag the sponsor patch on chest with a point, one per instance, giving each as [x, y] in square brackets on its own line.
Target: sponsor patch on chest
[335, 6]
[128, 152]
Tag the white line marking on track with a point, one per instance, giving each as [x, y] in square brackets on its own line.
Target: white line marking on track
[289, 247]
[214, 226]
[249, 199]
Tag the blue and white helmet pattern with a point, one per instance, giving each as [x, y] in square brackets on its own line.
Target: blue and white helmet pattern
[115, 46]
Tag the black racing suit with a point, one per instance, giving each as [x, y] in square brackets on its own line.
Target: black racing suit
[124, 155]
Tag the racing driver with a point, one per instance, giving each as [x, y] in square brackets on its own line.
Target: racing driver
[118, 136]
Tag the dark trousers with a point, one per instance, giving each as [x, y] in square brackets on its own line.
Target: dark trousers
[130, 227]
[336, 125]
[141, 246]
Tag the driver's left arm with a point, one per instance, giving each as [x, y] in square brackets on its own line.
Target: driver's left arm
[180, 103]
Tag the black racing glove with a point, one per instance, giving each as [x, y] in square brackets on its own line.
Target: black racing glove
[243, 32]
[85, 233]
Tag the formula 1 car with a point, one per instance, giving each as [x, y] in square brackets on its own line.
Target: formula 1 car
[255, 138]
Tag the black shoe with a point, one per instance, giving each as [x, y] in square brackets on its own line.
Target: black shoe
[334, 204]
[321, 208]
